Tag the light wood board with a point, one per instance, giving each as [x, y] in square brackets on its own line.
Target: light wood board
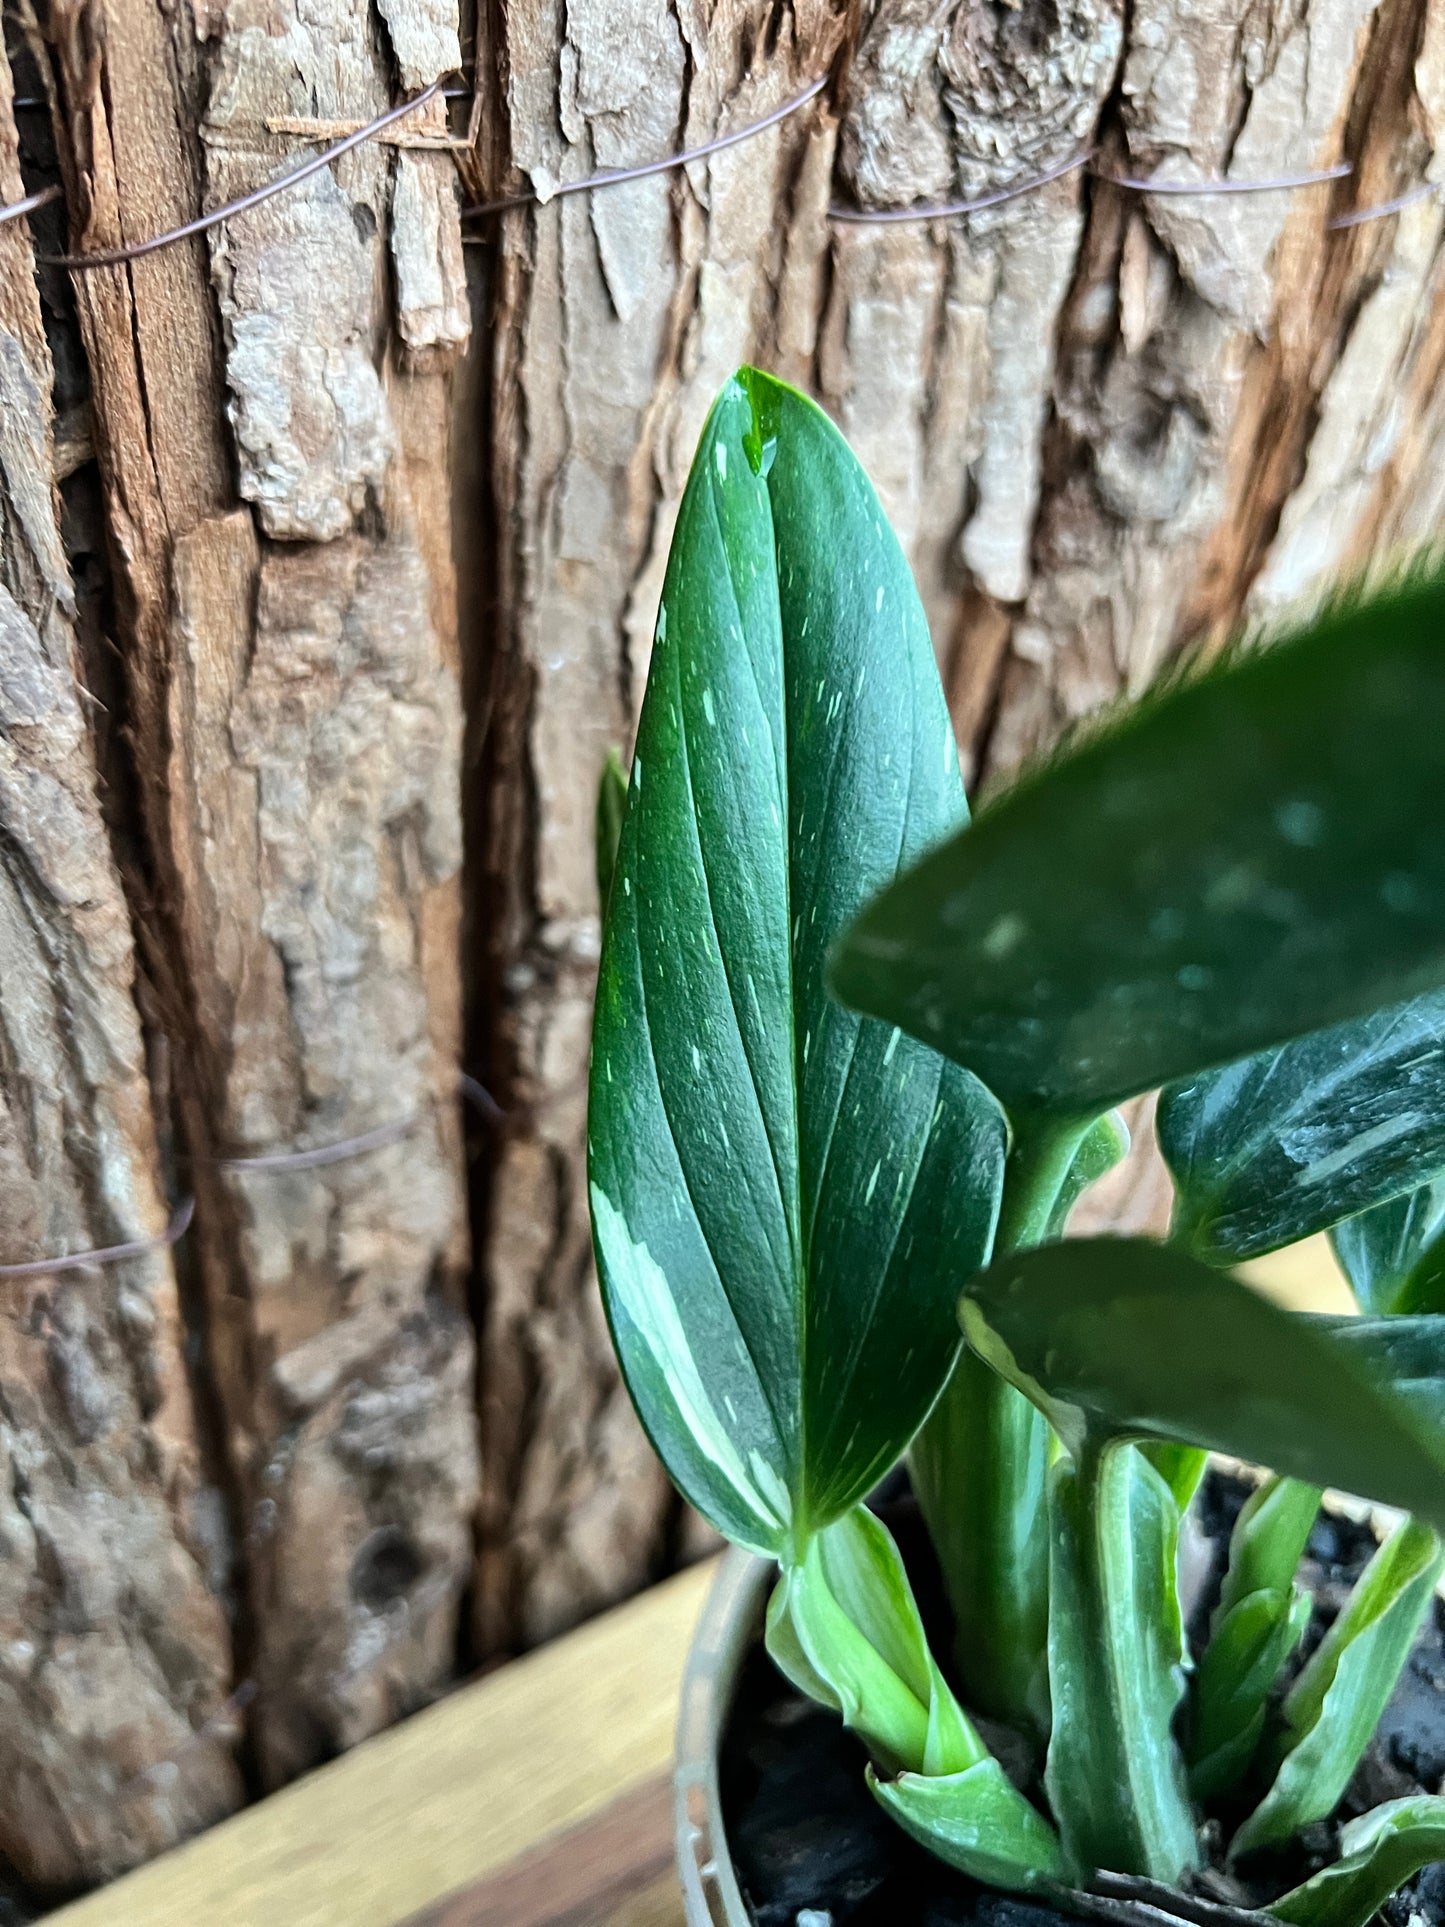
[450, 1798]
[537, 1797]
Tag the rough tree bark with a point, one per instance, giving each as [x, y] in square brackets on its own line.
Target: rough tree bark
[270, 410]
[113, 1643]
[296, 722]
[1106, 425]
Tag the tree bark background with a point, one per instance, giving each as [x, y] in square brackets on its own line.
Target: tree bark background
[1105, 425]
[316, 627]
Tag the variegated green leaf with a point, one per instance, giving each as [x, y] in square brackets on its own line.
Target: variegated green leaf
[1260, 1619]
[1289, 1142]
[1142, 1340]
[1116, 1666]
[1247, 856]
[844, 1627]
[783, 1194]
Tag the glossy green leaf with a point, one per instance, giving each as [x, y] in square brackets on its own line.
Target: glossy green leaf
[1140, 1339]
[1335, 1704]
[1408, 1353]
[1268, 1541]
[1181, 1467]
[844, 1627]
[980, 1475]
[1394, 1256]
[1260, 1619]
[611, 807]
[1253, 854]
[1289, 1142]
[1379, 1852]
[782, 1194]
[1116, 1667]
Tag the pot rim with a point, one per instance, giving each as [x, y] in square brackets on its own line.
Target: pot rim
[729, 1624]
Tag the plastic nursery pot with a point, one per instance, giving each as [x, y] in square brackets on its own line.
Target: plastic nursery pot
[730, 1629]
[730, 1626]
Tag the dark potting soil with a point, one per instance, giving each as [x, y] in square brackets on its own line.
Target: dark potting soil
[813, 1849]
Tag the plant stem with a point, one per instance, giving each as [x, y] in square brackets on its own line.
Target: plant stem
[1038, 1163]
[980, 1473]
[1114, 1777]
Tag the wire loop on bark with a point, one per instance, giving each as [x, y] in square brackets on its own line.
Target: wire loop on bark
[945, 209]
[468, 1087]
[179, 1225]
[31, 201]
[1358, 216]
[615, 176]
[137, 250]
[1137, 184]
[1266, 184]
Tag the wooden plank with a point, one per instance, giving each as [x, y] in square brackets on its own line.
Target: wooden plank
[450, 1797]
[615, 1870]
[537, 1797]
[1302, 1277]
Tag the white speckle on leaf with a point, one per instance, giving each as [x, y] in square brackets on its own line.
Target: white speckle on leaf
[722, 462]
[1192, 976]
[878, 601]
[661, 623]
[872, 1183]
[1301, 823]
[627, 886]
[1005, 935]
[637, 772]
[696, 1058]
[1401, 893]
[707, 708]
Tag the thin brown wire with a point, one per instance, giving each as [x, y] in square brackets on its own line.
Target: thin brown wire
[1357, 217]
[179, 1225]
[615, 176]
[1136, 183]
[137, 250]
[29, 204]
[468, 1087]
[1268, 184]
[945, 209]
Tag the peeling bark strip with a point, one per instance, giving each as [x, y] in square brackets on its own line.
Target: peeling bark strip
[113, 1647]
[1104, 424]
[296, 724]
